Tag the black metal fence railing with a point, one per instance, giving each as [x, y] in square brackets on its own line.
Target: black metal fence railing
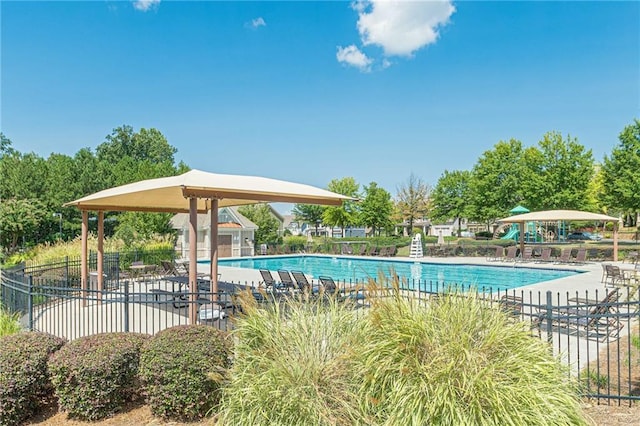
[596, 334]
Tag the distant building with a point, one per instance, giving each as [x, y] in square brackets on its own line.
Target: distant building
[235, 233]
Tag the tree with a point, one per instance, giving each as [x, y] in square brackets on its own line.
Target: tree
[450, 197]
[18, 218]
[413, 200]
[557, 174]
[347, 213]
[496, 182]
[309, 213]
[621, 180]
[261, 215]
[376, 208]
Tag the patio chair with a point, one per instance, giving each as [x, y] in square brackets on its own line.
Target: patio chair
[362, 250]
[613, 276]
[347, 249]
[594, 317]
[511, 305]
[372, 251]
[169, 268]
[512, 254]
[285, 279]
[498, 254]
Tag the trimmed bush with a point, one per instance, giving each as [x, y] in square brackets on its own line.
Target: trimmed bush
[94, 376]
[24, 378]
[459, 361]
[183, 368]
[291, 366]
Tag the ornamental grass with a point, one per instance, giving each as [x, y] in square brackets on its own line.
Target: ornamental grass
[292, 365]
[458, 361]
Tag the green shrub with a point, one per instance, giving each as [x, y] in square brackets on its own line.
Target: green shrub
[458, 361]
[182, 369]
[9, 323]
[291, 366]
[94, 376]
[295, 244]
[24, 378]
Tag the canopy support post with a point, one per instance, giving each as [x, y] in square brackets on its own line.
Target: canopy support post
[615, 241]
[214, 249]
[84, 258]
[193, 259]
[100, 255]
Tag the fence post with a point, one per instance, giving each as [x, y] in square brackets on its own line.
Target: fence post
[126, 307]
[30, 301]
[549, 315]
[66, 271]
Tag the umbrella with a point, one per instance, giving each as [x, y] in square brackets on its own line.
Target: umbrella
[195, 192]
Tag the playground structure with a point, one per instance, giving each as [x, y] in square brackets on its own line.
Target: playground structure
[538, 232]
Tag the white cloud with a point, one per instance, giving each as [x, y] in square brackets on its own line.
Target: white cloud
[145, 5]
[258, 22]
[401, 27]
[352, 56]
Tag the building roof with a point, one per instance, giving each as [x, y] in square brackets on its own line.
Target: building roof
[181, 220]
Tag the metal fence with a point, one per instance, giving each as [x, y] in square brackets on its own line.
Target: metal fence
[595, 334]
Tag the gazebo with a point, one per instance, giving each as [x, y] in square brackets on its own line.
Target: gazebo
[553, 215]
[193, 192]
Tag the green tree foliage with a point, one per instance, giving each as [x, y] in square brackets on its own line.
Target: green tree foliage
[376, 208]
[557, 174]
[309, 213]
[496, 181]
[450, 197]
[19, 218]
[621, 176]
[346, 214]
[413, 200]
[125, 156]
[262, 216]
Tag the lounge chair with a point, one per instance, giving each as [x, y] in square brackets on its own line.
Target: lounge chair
[512, 253]
[351, 293]
[526, 255]
[592, 317]
[362, 250]
[565, 256]
[373, 251]
[303, 284]
[285, 279]
[581, 256]
[267, 279]
[511, 304]
[497, 255]
[346, 249]
[169, 268]
[545, 256]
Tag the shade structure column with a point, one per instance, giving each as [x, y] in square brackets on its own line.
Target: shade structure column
[100, 255]
[521, 238]
[615, 241]
[193, 259]
[84, 258]
[214, 248]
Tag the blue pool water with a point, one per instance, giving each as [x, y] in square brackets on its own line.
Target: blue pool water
[491, 278]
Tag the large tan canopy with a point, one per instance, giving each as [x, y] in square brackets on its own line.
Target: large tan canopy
[193, 192]
[566, 215]
[171, 194]
[552, 215]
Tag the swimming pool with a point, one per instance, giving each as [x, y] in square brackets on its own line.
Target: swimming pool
[491, 278]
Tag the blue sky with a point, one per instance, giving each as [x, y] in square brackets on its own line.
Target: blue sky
[312, 91]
